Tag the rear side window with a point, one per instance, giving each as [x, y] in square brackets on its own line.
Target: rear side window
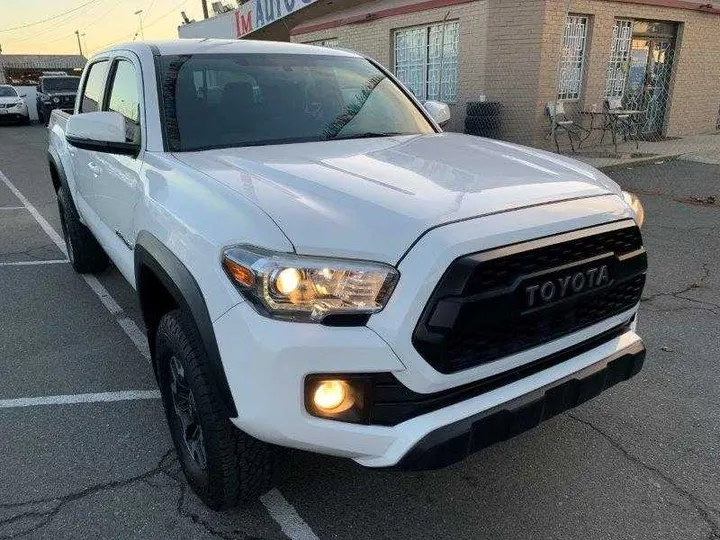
[92, 94]
[124, 99]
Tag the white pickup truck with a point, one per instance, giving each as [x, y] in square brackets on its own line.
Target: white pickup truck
[320, 266]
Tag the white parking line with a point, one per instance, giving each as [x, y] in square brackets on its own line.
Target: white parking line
[35, 263]
[285, 514]
[125, 395]
[136, 335]
[279, 508]
[12, 208]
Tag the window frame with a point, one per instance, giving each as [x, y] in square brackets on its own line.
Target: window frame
[427, 28]
[110, 81]
[614, 61]
[564, 63]
[84, 83]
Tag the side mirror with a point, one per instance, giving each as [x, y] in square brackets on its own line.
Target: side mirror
[439, 111]
[23, 95]
[100, 132]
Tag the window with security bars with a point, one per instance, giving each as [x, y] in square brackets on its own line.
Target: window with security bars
[426, 60]
[572, 61]
[619, 59]
[330, 42]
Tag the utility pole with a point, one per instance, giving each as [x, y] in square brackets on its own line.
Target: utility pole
[77, 33]
[205, 9]
[2, 68]
[142, 32]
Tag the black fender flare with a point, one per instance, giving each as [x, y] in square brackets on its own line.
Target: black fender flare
[56, 164]
[152, 254]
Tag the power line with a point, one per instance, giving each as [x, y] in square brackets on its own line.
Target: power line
[55, 27]
[147, 25]
[147, 11]
[49, 18]
[181, 4]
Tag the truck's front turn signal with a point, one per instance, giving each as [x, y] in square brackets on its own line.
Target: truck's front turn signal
[242, 274]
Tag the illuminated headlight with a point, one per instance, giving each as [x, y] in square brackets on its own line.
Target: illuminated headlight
[636, 206]
[56, 100]
[308, 289]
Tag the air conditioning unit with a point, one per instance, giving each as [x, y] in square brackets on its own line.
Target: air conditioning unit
[219, 8]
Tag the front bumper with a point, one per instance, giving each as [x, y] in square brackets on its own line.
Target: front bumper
[267, 361]
[456, 441]
[14, 114]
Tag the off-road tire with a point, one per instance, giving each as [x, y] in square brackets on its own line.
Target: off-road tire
[85, 253]
[238, 467]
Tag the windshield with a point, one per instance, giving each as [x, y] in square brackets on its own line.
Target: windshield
[215, 101]
[7, 91]
[61, 84]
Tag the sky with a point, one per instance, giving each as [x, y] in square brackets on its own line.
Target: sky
[102, 22]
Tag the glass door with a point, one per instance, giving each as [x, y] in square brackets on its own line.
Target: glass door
[648, 86]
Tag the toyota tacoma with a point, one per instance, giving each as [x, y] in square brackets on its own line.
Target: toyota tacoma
[319, 266]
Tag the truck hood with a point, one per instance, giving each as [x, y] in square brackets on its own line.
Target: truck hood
[372, 198]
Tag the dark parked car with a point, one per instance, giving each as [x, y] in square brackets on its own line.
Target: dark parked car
[56, 92]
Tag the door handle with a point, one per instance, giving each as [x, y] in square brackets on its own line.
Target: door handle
[94, 167]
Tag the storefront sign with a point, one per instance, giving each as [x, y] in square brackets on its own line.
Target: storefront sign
[255, 14]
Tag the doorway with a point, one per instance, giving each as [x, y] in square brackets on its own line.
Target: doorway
[651, 60]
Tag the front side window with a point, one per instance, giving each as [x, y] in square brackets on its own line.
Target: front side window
[226, 100]
[426, 60]
[572, 59]
[7, 91]
[124, 99]
[619, 59]
[94, 85]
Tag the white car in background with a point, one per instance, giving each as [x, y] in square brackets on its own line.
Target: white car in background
[12, 105]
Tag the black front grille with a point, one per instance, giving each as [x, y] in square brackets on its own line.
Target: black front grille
[485, 308]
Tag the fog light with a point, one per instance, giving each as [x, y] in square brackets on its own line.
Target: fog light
[333, 396]
[343, 399]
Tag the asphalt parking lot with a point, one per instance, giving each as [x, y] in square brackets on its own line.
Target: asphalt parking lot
[85, 452]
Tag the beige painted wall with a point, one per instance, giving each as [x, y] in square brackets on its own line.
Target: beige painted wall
[695, 85]
[509, 51]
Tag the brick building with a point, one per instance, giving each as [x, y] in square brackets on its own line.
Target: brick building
[658, 56]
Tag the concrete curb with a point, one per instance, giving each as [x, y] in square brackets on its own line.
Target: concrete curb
[642, 161]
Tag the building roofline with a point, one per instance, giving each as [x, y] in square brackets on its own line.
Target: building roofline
[381, 14]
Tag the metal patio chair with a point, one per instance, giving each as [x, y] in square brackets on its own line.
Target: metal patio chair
[618, 122]
[556, 113]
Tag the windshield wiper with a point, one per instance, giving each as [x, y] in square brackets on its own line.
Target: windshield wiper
[368, 135]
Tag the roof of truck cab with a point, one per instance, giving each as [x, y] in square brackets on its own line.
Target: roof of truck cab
[227, 46]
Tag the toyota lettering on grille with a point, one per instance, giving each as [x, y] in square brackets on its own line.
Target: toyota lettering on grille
[565, 286]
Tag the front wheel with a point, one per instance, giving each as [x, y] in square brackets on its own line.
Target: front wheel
[223, 465]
